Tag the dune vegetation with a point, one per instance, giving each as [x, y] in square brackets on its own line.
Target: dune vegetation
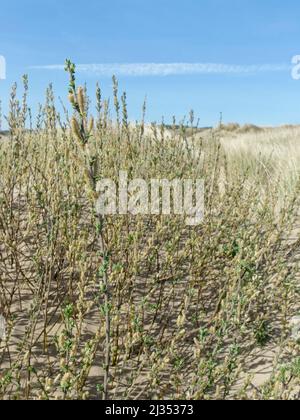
[145, 307]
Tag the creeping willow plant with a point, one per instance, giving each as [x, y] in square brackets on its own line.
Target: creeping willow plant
[83, 130]
[145, 307]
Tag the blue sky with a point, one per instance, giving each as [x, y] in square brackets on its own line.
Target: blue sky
[249, 34]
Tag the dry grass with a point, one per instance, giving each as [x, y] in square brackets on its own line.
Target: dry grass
[145, 307]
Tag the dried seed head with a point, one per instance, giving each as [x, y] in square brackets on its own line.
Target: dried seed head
[48, 384]
[61, 341]
[66, 380]
[57, 379]
[81, 100]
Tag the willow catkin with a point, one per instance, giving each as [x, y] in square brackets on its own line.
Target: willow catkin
[76, 130]
[72, 99]
[91, 125]
[81, 100]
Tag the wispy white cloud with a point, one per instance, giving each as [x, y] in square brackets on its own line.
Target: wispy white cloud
[168, 69]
